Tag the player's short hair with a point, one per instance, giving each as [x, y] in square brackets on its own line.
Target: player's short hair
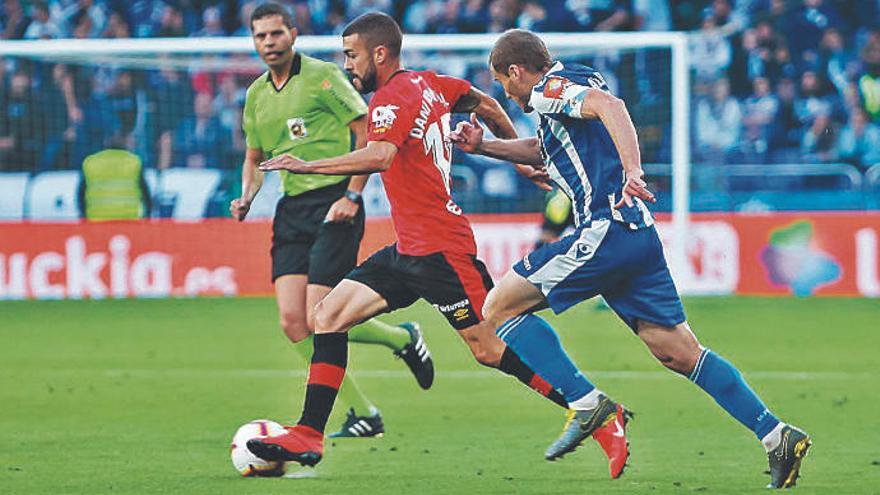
[268, 10]
[377, 29]
[520, 47]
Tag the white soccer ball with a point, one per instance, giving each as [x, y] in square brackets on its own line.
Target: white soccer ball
[246, 462]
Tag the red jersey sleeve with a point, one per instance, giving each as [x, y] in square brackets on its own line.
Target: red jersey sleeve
[390, 118]
[452, 88]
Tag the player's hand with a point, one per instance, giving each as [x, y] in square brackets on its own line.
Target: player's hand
[239, 208]
[342, 211]
[635, 187]
[538, 176]
[286, 162]
[468, 135]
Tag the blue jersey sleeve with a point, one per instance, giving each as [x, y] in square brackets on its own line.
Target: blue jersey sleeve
[562, 92]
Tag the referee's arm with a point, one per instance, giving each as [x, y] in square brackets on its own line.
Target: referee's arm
[251, 181]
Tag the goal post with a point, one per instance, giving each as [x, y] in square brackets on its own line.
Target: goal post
[144, 52]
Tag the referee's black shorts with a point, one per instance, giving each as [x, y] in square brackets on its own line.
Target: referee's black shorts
[304, 244]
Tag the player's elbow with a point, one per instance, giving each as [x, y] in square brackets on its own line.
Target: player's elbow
[381, 156]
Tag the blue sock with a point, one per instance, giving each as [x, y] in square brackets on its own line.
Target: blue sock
[726, 385]
[537, 344]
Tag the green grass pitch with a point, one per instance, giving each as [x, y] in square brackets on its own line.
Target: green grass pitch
[142, 397]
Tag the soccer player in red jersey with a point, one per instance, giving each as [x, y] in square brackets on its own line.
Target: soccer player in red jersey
[435, 256]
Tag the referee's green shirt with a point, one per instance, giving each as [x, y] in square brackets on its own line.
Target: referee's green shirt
[308, 117]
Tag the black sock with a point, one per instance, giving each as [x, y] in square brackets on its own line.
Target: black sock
[325, 376]
[514, 366]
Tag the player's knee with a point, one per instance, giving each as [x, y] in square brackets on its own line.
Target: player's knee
[487, 353]
[675, 348]
[295, 326]
[486, 357]
[328, 319]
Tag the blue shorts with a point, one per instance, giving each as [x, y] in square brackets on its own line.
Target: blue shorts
[625, 266]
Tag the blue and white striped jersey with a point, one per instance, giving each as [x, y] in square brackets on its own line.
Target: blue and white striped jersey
[579, 153]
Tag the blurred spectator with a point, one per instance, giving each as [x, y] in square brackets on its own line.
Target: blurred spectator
[787, 128]
[587, 15]
[82, 25]
[141, 16]
[244, 19]
[718, 123]
[42, 26]
[212, 24]
[13, 22]
[169, 99]
[472, 18]
[199, 140]
[814, 17]
[724, 17]
[819, 141]
[117, 27]
[69, 14]
[834, 59]
[709, 50]
[18, 126]
[227, 107]
[502, 15]
[652, 15]
[113, 186]
[759, 114]
[171, 23]
[869, 82]
[419, 15]
[358, 7]
[814, 100]
[55, 126]
[859, 141]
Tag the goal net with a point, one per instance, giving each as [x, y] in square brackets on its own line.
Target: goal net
[176, 104]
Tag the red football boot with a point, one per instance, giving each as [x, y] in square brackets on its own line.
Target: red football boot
[612, 438]
[301, 444]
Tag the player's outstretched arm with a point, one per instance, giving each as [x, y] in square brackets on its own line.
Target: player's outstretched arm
[492, 113]
[469, 137]
[376, 157]
[251, 182]
[612, 111]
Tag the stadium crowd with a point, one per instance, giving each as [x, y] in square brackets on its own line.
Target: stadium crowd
[774, 81]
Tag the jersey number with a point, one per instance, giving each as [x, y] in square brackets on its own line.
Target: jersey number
[440, 147]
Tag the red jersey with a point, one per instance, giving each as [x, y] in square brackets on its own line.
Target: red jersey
[412, 112]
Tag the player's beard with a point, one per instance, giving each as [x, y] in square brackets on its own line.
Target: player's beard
[364, 84]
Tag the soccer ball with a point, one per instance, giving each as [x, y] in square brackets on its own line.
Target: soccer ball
[246, 462]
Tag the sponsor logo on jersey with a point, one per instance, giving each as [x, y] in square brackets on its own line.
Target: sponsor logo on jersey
[555, 87]
[325, 84]
[453, 208]
[461, 314]
[527, 263]
[297, 128]
[383, 117]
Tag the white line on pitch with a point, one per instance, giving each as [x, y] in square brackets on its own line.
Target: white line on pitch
[403, 374]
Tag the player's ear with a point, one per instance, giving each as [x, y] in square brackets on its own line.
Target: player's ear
[293, 33]
[380, 53]
[513, 71]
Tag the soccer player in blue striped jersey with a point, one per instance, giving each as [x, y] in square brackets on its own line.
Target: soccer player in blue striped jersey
[587, 142]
